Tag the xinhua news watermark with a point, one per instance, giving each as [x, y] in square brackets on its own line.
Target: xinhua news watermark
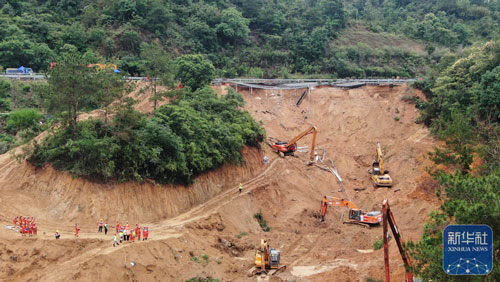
[467, 249]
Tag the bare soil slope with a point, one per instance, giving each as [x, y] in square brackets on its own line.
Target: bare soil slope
[286, 191]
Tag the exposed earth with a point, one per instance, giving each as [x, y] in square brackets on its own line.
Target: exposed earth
[208, 229]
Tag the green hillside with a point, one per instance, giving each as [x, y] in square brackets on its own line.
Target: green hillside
[260, 38]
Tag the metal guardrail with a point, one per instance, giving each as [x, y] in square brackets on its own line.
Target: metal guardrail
[38, 76]
[284, 81]
[334, 81]
[275, 84]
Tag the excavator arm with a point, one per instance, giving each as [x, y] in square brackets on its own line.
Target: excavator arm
[338, 202]
[291, 145]
[310, 130]
[380, 159]
[388, 219]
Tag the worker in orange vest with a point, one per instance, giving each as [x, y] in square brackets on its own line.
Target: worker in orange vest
[117, 227]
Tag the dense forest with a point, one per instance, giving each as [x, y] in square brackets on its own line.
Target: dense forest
[260, 38]
[463, 110]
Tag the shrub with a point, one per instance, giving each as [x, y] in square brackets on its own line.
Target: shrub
[378, 244]
[6, 142]
[262, 222]
[24, 119]
[5, 87]
[205, 259]
[195, 259]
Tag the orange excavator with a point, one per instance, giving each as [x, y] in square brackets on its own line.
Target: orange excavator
[356, 216]
[284, 148]
[389, 220]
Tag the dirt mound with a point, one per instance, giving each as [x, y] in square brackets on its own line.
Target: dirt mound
[218, 238]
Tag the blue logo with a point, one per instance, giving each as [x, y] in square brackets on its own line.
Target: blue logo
[467, 249]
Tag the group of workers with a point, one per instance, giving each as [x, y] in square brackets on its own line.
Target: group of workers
[126, 233]
[123, 233]
[27, 225]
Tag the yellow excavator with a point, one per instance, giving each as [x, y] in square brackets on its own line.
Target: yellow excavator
[380, 176]
[284, 148]
[267, 260]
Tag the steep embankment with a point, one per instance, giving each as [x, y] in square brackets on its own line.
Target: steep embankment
[52, 194]
[286, 191]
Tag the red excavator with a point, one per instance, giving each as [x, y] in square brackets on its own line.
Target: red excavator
[389, 219]
[356, 216]
[284, 148]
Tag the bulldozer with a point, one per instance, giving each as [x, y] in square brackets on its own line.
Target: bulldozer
[284, 148]
[380, 177]
[356, 216]
[267, 260]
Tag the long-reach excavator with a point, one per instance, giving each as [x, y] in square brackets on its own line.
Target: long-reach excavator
[266, 260]
[380, 176]
[356, 216]
[389, 220]
[284, 148]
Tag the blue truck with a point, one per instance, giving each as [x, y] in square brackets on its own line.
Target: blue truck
[19, 70]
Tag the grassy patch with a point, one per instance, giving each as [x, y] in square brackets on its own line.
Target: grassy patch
[195, 259]
[241, 234]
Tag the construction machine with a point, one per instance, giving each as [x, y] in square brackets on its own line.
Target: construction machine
[389, 220]
[267, 260]
[356, 216]
[380, 176]
[284, 148]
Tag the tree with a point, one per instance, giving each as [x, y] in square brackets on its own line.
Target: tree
[194, 71]
[72, 86]
[159, 66]
[233, 26]
[111, 87]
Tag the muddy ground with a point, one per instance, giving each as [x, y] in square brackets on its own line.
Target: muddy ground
[209, 229]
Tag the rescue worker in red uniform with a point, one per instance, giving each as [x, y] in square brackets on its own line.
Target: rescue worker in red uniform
[145, 233]
[76, 229]
[138, 232]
